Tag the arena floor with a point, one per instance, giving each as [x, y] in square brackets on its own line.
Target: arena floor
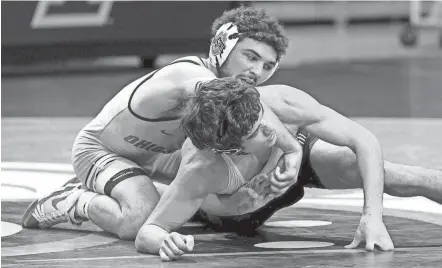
[398, 100]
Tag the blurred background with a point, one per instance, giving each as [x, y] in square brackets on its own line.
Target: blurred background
[67, 58]
[63, 60]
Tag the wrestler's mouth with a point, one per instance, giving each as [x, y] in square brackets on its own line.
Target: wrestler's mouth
[248, 79]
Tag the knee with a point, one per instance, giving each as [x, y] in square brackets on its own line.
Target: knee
[348, 163]
[128, 234]
[131, 220]
[348, 157]
[129, 225]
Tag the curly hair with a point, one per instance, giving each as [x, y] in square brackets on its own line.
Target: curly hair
[220, 112]
[256, 24]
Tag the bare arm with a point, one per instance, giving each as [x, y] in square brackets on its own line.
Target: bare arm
[297, 109]
[179, 203]
[166, 89]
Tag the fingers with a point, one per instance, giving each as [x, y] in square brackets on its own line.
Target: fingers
[260, 183]
[175, 245]
[383, 245]
[386, 244]
[277, 183]
[190, 242]
[355, 243]
[164, 256]
[369, 246]
[169, 253]
[290, 173]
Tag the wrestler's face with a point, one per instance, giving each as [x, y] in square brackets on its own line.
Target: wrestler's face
[262, 135]
[251, 61]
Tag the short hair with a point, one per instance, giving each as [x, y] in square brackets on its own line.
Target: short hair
[220, 112]
[256, 24]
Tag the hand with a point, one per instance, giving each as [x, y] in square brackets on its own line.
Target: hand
[290, 163]
[175, 245]
[259, 193]
[254, 195]
[249, 197]
[373, 231]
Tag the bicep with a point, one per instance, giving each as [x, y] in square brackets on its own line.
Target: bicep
[167, 87]
[297, 109]
[336, 129]
[289, 104]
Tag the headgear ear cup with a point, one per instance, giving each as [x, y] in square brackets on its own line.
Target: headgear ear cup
[223, 43]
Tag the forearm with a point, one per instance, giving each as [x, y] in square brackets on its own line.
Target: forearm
[285, 139]
[149, 239]
[371, 165]
[287, 142]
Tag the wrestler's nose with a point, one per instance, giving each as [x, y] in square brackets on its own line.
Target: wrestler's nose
[266, 128]
[257, 70]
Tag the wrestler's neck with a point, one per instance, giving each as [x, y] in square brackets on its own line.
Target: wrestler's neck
[253, 163]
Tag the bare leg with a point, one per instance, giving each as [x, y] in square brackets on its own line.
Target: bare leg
[132, 200]
[130, 204]
[337, 168]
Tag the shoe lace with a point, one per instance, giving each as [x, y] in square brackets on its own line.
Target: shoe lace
[50, 219]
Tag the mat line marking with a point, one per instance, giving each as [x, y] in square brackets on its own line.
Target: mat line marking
[64, 167]
[18, 186]
[248, 253]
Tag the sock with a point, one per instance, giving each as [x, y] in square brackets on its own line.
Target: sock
[82, 206]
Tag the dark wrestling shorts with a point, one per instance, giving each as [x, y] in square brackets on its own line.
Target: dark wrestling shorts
[248, 223]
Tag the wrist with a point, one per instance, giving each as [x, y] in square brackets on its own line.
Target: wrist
[370, 212]
[149, 239]
[288, 144]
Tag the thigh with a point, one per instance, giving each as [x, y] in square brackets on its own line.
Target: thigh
[336, 166]
[104, 172]
[164, 168]
[128, 184]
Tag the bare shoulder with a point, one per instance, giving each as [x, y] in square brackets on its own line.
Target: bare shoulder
[190, 154]
[173, 78]
[204, 167]
[167, 87]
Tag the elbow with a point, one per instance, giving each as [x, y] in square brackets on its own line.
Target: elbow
[141, 243]
[366, 141]
[146, 242]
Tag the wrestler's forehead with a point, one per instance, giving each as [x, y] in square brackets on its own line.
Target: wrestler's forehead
[257, 123]
[266, 51]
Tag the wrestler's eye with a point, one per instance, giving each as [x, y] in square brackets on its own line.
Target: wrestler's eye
[255, 133]
[251, 57]
[268, 67]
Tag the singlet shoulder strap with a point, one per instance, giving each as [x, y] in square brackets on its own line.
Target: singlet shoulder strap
[146, 79]
[234, 173]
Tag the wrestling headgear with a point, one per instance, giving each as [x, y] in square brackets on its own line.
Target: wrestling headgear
[223, 43]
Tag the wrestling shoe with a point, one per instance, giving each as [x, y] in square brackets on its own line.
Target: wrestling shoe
[57, 207]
